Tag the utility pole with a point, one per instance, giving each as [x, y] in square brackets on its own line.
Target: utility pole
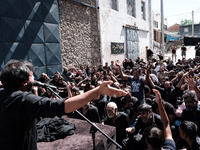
[162, 28]
[150, 27]
[193, 23]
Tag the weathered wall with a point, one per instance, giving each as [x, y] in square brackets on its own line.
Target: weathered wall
[79, 33]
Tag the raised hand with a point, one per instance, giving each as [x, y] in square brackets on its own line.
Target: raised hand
[117, 63]
[158, 96]
[191, 82]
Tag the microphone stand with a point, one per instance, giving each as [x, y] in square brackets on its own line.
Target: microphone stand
[94, 128]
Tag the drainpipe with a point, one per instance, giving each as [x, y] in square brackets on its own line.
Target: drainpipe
[193, 23]
[162, 29]
[99, 29]
[150, 27]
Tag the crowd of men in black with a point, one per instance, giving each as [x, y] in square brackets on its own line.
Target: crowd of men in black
[133, 114]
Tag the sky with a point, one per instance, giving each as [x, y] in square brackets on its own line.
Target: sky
[177, 10]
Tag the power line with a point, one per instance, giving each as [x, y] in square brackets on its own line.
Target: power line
[197, 11]
[179, 14]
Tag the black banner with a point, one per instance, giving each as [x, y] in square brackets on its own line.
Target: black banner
[191, 41]
[117, 48]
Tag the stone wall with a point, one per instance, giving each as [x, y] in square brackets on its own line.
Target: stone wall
[80, 40]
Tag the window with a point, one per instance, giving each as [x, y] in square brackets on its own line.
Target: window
[155, 24]
[143, 10]
[186, 30]
[114, 4]
[165, 27]
[131, 7]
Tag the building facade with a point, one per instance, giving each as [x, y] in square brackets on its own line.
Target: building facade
[186, 30]
[57, 33]
[156, 23]
[125, 29]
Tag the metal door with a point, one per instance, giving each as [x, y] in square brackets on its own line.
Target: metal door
[29, 30]
[132, 43]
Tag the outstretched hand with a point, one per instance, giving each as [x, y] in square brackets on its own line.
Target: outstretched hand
[106, 89]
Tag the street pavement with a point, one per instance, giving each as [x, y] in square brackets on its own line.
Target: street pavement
[190, 53]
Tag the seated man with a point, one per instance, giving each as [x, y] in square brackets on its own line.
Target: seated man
[89, 111]
[191, 113]
[169, 93]
[118, 119]
[169, 108]
[188, 132]
[153, 135]
[146, 119]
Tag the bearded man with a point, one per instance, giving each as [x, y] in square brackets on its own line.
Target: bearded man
[192, 111]
[146, 119]
[118, 119]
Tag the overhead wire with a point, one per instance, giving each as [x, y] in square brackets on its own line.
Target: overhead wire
[197, 11]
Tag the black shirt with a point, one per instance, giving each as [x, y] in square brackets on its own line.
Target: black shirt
[18, 111]
[195, 145]
[149, 53]
[189, 116]
[170, 67]
[183, 48]
[173, 51]
[197, 48]
[92, 114]
[170, 96]
[121, 123]
[141, 126]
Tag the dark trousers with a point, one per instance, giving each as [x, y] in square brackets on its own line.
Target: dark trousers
[134, 143]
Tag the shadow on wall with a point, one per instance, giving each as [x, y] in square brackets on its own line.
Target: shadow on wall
[28, 30]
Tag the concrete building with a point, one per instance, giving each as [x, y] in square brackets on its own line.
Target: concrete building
[125, 29]
[157, 32]
[57, 33]
[186, 30]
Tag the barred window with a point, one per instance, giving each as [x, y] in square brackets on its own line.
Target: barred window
[114, 4]
[131, 7]
[143, 10]
[186, 30]
[155, 24]
[165, 27]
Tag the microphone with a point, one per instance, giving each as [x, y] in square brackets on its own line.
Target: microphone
[44, 85]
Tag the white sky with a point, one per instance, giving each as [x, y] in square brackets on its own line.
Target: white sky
[176, 10]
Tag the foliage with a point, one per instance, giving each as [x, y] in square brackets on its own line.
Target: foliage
[186, 21]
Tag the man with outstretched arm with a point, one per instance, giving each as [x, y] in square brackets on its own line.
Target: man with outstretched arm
[136, 81]
[19, 108]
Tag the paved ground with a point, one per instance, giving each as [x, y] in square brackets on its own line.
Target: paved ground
[190, 53]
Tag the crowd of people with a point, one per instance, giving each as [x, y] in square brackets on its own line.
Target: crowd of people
[161, 97]
[131, 114]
